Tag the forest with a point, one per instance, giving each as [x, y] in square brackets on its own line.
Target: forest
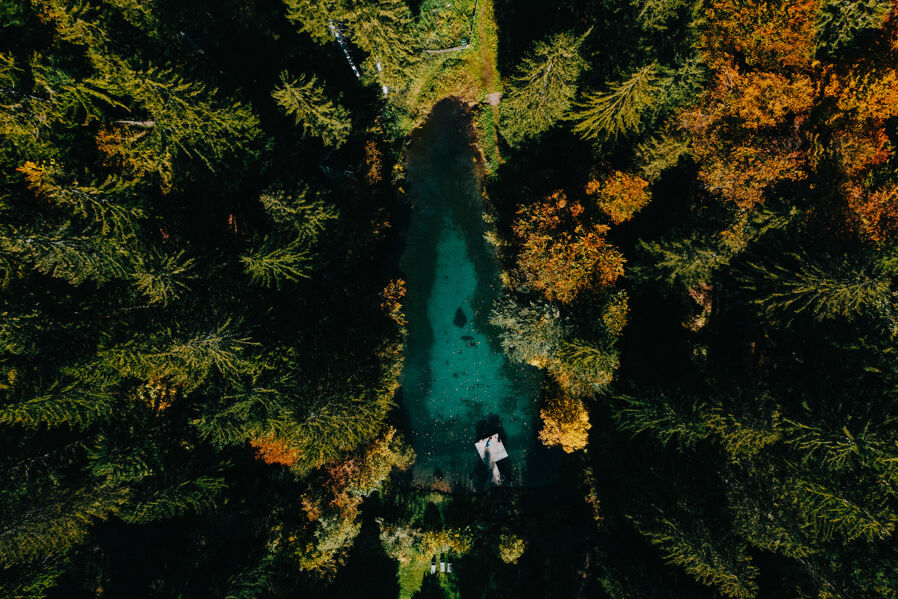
[684, 240]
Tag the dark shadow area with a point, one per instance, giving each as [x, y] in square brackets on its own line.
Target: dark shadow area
[369, 572]
[430, 588]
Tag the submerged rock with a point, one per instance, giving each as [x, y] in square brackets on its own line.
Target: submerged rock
[460, 319]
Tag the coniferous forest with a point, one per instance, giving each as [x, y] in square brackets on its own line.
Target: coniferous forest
[218, 234]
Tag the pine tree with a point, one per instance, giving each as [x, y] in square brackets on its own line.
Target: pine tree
[67, 255]
[830, 511]
[619, 111]
[661, 153]
[691, 259]
[194, 495]
[383, 29]
[162, 278]
[842, 22]
[54, 520]
[184, 361]
[678, 419]
[73, 406]
[723, 565]
[827, 288]
[33, 581]
[307, 102]
[754, 500]
[585, 368]
[295, 212]
[543, 88]
[101, 206]
[315, 17]
[172, 117]
[270, 265]
[654, 14]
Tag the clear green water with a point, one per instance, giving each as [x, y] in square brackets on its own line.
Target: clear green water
[457, 384]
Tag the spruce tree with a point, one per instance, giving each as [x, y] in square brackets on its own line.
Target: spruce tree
[307, 102]
[619, 111]
[543, 87]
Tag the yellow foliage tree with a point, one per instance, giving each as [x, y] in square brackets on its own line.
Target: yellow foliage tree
[511, 547]
[565, 423]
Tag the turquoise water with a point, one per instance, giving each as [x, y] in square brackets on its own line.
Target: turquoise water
[457, 385]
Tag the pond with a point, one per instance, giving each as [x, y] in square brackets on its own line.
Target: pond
[457, 385]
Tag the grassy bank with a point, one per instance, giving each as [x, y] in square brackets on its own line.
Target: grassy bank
[460, 61]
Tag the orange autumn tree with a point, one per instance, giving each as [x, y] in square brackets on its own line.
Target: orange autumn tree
[743, 129]
[392, 301]
[620, 195]
[272, 450]
[867, 97]
[562, 252]
[781, 109]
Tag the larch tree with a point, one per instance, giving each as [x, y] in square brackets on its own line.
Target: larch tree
[565, 423]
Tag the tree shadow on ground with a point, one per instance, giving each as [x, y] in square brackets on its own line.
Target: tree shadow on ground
[369, 572]
[431, 589]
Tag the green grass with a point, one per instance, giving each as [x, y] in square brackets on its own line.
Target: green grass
[486, 132]
[411, 575]
[468, 74]
[445, 26]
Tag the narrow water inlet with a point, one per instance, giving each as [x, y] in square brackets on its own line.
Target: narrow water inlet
[457, 384]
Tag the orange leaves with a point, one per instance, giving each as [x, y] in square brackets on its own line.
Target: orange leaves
[862, 144]
[873, 95]
[546, 215]
[561, 256]
[766, 99]
[272, 450]
[777, 114]
[875, 213]
[620, 196]
[859, 149]
[356, 477]
[34, 174]
[767, 34]
[392, 301]
[743, 172]
[752, 100]
[746, 132]
[373, 163]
